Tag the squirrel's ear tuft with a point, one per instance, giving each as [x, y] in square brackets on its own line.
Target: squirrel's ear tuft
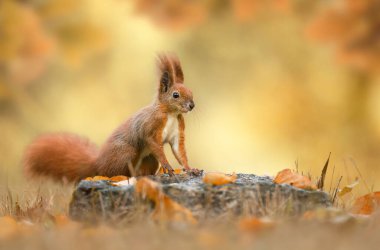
[166, 72]
[179, 77]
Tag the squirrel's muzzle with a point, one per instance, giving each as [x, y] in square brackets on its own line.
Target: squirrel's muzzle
[191, 105]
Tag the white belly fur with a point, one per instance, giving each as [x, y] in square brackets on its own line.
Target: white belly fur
[170, 132]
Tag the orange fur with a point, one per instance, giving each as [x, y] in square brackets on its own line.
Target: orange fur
[134, 148]
[61, 156]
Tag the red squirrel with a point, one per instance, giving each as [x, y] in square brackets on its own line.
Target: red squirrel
[135, 148]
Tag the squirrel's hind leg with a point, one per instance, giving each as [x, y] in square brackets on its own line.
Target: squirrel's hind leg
[149, 166]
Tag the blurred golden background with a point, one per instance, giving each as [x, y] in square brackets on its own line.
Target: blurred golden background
[275, 81]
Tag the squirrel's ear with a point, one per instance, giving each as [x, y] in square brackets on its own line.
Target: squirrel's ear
[166, 72]
[179, 77]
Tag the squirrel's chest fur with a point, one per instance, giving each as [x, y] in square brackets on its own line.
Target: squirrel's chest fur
[171, 129]
[170, 134]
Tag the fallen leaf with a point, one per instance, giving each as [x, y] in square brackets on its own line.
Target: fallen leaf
[286, 176]
[98, 178]
[217, 179]
[209, 239]
[366, 204]
[102, 230]
[8, 228]
[176, 171]
[165, 208]
[119, 178]
[254, 224]
[64, 222]
[348, 188]
[129, 182]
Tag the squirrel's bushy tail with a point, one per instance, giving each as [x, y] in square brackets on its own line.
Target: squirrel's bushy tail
[61, 156]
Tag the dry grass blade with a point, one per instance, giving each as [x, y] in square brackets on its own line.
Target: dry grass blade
[360, 174]
[321, 181]
[336, 190]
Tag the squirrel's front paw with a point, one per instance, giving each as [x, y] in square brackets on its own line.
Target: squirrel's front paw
[193, 171]
[168, 169]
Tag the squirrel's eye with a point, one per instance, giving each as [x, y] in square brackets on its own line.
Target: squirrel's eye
[175, 94]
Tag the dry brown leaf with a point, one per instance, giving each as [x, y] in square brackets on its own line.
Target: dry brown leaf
[165, 208]
[348, 188]
[217, 179]
[286, 176]
[254, 224]
[366, 204]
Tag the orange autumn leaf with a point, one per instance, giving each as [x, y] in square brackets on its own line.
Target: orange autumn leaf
[254, 224]
[116, 178]
[148, 188]
[119, 178]
[98, 178]
[351, 27]
[219, 178]
[128, 182]
[286, 176]
[174, 15]
[176, 171]
[366, 204]
[61, 221]
[165, 208]
[246, 10]
[8, 227]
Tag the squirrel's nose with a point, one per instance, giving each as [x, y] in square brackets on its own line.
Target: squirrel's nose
[191, 105]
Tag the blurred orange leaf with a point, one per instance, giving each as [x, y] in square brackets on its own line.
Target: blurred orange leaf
[64, 222]
[127, 182]
[119, 178]
[98, 178]
[366, 204]
[352, 27]
[8, 227]
[254, 224]
[246, 10]
[174, 15]
[286, 176]
[165, 208]
[219, 178]
[176, 171]
[116, 178]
